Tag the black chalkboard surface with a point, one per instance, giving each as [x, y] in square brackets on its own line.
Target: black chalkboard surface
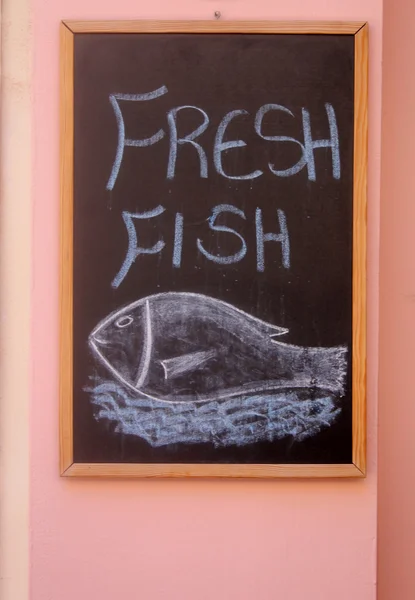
[212, 250]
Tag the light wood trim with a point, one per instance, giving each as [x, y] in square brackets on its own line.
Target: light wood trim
[213, 26]
[66, 250]
[213, 470]
[359, 248]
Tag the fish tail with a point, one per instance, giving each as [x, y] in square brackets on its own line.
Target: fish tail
[326, 368]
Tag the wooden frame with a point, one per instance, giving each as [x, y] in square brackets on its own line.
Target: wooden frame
[358, 467]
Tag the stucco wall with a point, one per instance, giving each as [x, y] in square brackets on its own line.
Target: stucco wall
[397, 302]
[15, 284]
[185, 539]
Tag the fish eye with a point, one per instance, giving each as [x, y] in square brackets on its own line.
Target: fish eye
[124, 321]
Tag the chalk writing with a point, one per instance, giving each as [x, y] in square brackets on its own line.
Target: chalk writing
[307, 157]
[122, 141]
[188, 139]
[224, 260]
[133, 249]
[281, 237]
[308, 146]
[221, 146]
[178, 241]
[279, 138]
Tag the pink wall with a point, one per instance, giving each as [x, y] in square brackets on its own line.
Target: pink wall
[187, 539]
[397, 316]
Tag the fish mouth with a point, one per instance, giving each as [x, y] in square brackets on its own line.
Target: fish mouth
[126, 351]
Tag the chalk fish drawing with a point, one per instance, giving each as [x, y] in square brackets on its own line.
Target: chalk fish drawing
[204, 359]
[190, 347]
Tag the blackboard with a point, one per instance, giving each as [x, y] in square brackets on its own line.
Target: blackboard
[213, 250]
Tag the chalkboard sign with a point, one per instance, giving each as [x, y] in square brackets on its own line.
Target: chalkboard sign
[213, 249]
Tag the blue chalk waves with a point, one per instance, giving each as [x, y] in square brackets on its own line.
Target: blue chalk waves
[235, 421]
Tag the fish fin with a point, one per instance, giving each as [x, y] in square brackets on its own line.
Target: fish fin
[173, 367]
[277, 332]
